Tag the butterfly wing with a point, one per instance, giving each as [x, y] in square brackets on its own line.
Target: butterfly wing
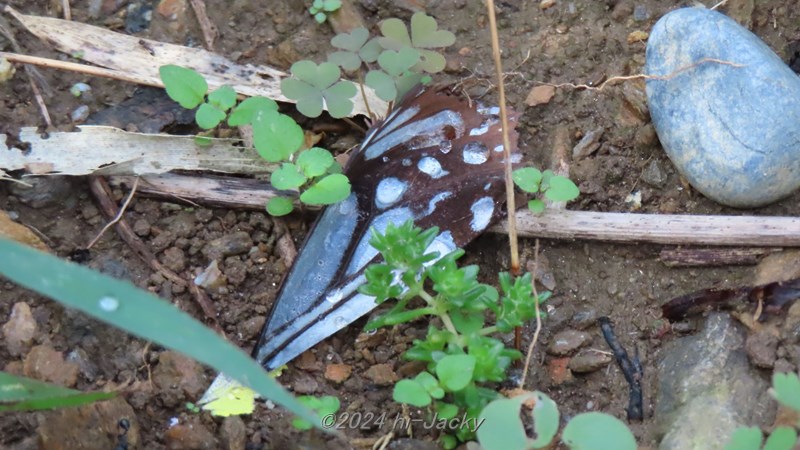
[437, 159]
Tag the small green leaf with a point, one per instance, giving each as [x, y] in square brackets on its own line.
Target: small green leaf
[424, 32]
[430, 383]
[545, 420]
[26, 394]
[223, 97]
[396, 63]
[536, 206]
[276, 136]
[208, 116]
[527, 178]
[597, 431]
[331, 5]
[338, 99]
[315, 86]
[382, 83]
[781, 438]
[787, 389]
[455, 371]
[348, 61]
[246, 111]
[446, 410]
[561, 189]
[352, 41]
[288, 176]
[320, 17]
[745, 438]
[412, 393]
[502, 427]
[279, 206]
[315, 161]
[203, 141]
[185, 86]
[327, 191]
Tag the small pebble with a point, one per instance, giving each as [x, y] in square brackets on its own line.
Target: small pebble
[568, 341]
[381, 374]
[640, 12]
[589, 361]
[80, 114]
[588, 145]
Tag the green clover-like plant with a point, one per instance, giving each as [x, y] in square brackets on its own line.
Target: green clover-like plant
[183, 85]
[425, 36]
[245, 112]
[320, 7]
[396, 78]
[279, 206]
[331, 189]
[355, 48]
[316, 86]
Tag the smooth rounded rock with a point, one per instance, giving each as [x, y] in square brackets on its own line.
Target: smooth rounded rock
[732, 129]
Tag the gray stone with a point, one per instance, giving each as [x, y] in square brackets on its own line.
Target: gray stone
[228, 245]
[654, 174]
[588, 145]
[589, 361]
[41, 192]
[568, 341]
[707, 388]
[732, 131]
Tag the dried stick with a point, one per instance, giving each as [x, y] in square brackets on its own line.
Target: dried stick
[102, 193]
[118, 216]
[67, 10]
[535, 339]
[79, 68]
[209, 30]
[510, 201]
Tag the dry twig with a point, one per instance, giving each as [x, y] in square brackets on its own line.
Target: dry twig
[535, 339]
[118, 216]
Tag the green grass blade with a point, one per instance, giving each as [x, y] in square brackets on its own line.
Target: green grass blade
[121, 304]
[25, 394]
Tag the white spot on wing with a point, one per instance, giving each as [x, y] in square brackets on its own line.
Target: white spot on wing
[475, 153]
[443, 243]
[481, 130]
[389, 191]
[426, 133]
[499, 148]
[431, 167]
[481, 213]
[436, 199]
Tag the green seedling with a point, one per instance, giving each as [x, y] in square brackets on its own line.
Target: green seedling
[786, 390]
[320, 8]
[316, 86]
[554, 187]
[461, 354]
[277, 137]
[322, 406]
[504, 427]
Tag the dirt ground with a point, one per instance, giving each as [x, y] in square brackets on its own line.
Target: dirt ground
[580, 41]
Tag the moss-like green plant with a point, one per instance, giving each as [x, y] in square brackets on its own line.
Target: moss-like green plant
[320, 8]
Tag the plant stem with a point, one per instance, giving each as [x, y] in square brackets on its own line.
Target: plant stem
[446, 320]
[488, 330]
[364, 93]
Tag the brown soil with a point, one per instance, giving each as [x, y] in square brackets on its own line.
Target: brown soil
[580, 41]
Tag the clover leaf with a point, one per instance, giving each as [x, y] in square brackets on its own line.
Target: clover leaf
[316, 86]
[356, 47]
[424, 36]
[396, 77]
